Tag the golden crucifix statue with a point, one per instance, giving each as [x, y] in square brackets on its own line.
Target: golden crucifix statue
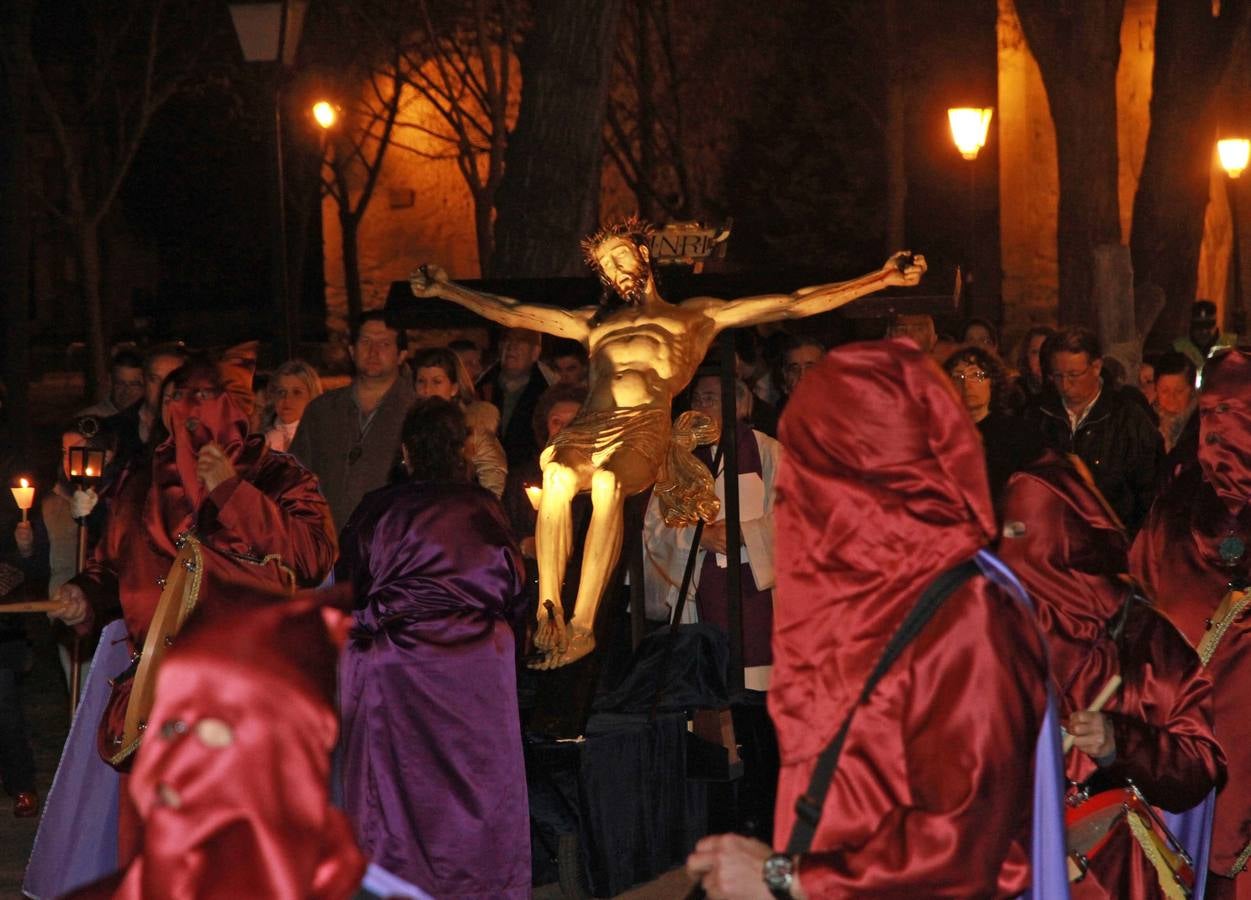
[643, 351]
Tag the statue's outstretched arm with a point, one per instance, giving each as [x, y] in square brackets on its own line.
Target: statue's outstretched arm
[902, 269]
[431, 281]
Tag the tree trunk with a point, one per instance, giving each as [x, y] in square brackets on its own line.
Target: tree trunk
[1192, 52]
[88, 235]
[1078, 47]
[895, 133]
[549, 196]
[484, 230]
[351, 265]
[15, 225]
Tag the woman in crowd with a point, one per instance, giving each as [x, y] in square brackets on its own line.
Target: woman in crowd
[291, 387]
[440, 373]
[980, 333]
[1030, 382]
[1009, 441]
[433, 772]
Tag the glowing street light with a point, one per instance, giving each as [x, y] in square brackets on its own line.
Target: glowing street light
[1234, 153]
[325, 114]
[969, 126]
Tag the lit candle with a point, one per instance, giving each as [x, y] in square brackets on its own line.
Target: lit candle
[25, 497]
[534, 493]
[90, 473]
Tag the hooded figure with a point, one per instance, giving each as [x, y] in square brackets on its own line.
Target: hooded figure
[232, 793]
[260, 519]
[1070, 551]
[1193, 553]
[882, 488]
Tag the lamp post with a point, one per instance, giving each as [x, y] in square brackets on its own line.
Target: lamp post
[1234, 154]
[269, 33]
[969, 128]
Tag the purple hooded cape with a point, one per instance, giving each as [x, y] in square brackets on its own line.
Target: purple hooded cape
[433, 772]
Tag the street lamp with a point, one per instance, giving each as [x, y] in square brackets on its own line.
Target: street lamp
[270, 33]
[969, 126]
[1234, 153]
[325, 114]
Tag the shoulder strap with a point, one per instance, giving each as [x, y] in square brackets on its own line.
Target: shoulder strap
[808, 807]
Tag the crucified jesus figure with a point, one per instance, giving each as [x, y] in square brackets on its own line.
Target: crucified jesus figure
[643, 351]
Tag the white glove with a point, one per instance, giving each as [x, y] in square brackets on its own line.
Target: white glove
[83, 503]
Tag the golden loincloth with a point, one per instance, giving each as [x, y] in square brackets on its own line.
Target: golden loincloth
[684, 486]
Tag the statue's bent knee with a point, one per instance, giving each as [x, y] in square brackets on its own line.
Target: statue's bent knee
[605, 487]
[560, 479]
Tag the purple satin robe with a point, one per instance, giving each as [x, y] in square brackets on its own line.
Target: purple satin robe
[433, 773]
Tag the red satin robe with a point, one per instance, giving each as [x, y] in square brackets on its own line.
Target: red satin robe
[1178, 555]
[882, 487]
[232, 786]
[1069, 552]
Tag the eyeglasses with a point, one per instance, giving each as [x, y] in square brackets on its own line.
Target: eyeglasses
[1070, 377]
[977, 376]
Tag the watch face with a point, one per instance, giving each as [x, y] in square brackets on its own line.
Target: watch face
[778, 872]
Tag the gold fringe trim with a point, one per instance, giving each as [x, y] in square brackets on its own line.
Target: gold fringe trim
[1149, 841]
[1234, 608]
[1241, 862]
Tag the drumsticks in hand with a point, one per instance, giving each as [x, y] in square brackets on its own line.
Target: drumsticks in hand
[1103, 697]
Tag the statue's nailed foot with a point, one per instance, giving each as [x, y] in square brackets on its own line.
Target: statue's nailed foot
[550, 633]
[581, 642]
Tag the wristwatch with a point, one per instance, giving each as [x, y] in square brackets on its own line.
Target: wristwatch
[779, 875]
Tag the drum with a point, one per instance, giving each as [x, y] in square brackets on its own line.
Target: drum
[1092, 820]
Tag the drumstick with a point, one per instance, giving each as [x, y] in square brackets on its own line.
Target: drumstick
[35, 606]
[1104, 696]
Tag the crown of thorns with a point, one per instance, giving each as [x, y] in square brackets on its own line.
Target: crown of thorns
[637, 231]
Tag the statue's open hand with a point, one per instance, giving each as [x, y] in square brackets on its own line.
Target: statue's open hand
[427, 281]
[903, 269]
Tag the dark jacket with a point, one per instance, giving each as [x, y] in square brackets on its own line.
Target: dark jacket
[517, 434]
[1117, 441]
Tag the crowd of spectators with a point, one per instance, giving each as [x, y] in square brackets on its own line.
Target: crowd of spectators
[1057, 392]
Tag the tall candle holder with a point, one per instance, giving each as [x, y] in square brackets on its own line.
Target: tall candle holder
[86, 468]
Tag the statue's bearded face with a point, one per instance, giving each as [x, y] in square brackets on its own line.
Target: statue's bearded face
[623, 266]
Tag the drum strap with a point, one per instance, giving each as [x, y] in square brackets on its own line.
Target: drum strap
[808, 807]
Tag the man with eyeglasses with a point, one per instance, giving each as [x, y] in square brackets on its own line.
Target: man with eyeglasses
[800, 355]
[1108, 429]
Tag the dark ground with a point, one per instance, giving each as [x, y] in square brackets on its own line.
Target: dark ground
[46, 701]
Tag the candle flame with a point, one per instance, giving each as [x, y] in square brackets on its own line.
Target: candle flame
[89, 473]
[23, 482]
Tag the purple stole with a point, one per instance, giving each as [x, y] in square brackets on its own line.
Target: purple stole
[710, 596]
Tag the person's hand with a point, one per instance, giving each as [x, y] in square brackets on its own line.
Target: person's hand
[24, 537]
[731, 867]
[427, 281]
[712, 538]
[213, 466]
[527, 548]
[82, 503]
[72, 608]
[1092, 734]
[903, 269]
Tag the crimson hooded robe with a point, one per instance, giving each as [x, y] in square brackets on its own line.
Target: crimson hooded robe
[1070, 552]
[1193, 547]
[883, 487]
